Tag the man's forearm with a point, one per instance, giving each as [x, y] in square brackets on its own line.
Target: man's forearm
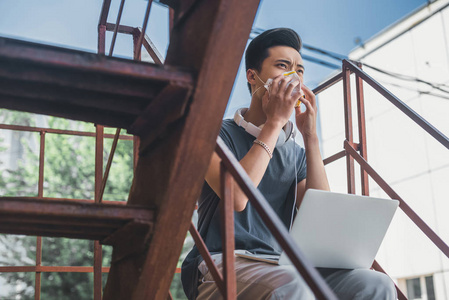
[316, 174]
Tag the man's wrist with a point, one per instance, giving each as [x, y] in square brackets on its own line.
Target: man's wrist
[273, 124]
[311, 140]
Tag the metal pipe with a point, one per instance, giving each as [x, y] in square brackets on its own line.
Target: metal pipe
[60, 131]
[362, 132]
[444, 140]
[327, 84]
[348, 128]
[404, 206]
[227, 233]
[334, 157]
[218, 278]
[49, 269]
[98, 180]
[108, 165]
[144, 28]
[117, 24]
[274, 224]
[40, 193]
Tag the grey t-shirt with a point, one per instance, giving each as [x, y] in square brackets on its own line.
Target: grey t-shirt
[277, 185]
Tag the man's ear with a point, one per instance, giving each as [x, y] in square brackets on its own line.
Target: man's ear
[250, 76]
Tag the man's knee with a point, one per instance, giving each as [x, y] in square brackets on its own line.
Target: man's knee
[290, 285]
[375, 285]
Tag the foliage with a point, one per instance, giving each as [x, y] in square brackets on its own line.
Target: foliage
[69, 169]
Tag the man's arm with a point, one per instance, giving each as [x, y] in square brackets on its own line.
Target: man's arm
[277, 107]
[306, 122]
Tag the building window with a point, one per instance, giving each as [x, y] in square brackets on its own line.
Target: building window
[430, 288]
[419, 288]
[413, 288]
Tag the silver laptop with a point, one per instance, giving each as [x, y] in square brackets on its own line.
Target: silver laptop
[338, 230]
[341, 230]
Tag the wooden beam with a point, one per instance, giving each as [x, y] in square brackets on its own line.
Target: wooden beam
[210, 39]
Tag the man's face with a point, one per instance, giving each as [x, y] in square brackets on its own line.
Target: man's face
[281, 59]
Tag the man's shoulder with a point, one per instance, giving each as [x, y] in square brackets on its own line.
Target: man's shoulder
[229, 124]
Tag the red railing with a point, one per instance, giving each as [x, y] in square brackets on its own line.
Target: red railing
[232, 170]
[97, 269]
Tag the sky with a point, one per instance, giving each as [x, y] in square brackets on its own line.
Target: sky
[327, 24]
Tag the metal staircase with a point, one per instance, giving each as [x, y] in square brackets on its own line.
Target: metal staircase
[174, 110]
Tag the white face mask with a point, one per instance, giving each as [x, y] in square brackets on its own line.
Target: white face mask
[293, 76]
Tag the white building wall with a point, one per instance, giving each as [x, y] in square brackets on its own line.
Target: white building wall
[410, 160]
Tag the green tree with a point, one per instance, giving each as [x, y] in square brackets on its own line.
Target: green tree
[69, 172]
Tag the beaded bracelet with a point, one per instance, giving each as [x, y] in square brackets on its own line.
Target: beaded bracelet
[260, 143]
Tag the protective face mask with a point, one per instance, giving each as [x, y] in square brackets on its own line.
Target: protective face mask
[293, 76]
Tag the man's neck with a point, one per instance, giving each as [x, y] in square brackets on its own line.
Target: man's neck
[255, 113]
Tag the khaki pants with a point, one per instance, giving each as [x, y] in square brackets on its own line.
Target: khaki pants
[259, 280]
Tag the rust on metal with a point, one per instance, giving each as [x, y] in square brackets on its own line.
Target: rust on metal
[437, 241]
[98, 255]
[144, 27]
[202, 248]
[66, 218]
[334, 157]
[362, 133]
[61, 131]
[274, 224]
[438, 135]
[42, 269]
[348, 128]
[117, 24]
[227, 233]
[328, 83]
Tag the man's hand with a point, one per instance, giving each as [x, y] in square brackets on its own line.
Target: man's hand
[278, 105]
[306, 121]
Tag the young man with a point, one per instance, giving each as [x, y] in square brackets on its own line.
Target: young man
[271, 159]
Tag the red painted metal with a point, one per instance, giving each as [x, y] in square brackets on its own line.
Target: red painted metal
[348, 128]
[218, 278]
[438, 135]
[48, 269]
[362, 132]
[98, 191]
[69, 208]
[328, 83]
[144, 28]
[37, 282]
[104, 12]
[274, 224]
[334, 157]
[171, 16]
[40, 193]
[404, 206]
[61, 131]
[121, 28]
[227, 233]
[151, 48]
[117, 24]
[109, 164]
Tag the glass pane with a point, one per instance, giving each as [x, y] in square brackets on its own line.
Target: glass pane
[67, 286]
[430, 288]
[67, 252]
[413, 288]
[17, 286]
